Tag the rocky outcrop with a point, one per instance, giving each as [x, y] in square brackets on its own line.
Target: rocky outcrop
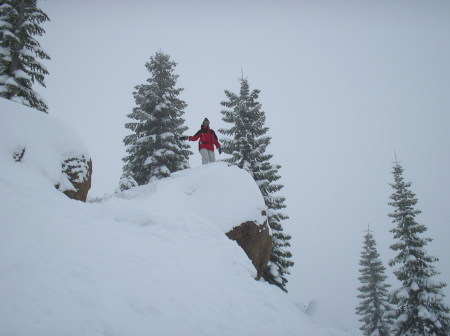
[256, 241]
[79, 173]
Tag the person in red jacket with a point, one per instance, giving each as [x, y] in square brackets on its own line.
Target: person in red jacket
[207, 140]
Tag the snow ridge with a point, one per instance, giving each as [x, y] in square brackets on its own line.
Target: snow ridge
[152, 260]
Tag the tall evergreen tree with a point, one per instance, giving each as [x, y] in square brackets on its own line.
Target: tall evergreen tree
[419, 305]
[247, 143]
[374, 305]
[154, 149]
[20, 21]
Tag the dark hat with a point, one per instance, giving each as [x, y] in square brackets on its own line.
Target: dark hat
[205, 120]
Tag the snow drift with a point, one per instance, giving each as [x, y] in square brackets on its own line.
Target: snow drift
[153, 260]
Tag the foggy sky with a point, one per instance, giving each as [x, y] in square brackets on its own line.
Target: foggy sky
[344, 84]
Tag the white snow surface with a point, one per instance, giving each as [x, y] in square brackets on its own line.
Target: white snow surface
[215, 194]
[324, 316]
[152, 260]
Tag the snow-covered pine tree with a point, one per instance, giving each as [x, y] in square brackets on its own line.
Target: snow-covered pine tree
[247, 143]
[154, 149]
[374, 303]
[419, 309]
[20, 21]
[126, 182]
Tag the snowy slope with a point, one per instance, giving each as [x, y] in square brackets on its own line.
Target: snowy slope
[153, 260]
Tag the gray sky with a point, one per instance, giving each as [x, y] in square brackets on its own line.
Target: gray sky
[344, 84]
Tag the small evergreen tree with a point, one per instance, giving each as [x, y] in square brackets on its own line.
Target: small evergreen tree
[419, 306]
[374, 305]
[20, 21]
[247, 144]
[126, 182]
[154, 149]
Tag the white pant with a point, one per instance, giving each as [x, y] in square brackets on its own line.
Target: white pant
[207, 156]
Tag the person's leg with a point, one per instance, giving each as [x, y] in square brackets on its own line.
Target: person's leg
[212, 157]
[204, 154]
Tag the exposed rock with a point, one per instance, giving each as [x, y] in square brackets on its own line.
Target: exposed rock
[79, 173]
[256, 241]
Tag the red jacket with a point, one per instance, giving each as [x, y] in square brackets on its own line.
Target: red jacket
[208, 138]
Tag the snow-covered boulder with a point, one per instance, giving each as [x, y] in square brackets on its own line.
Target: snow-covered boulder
[226, 196]
[30, 139]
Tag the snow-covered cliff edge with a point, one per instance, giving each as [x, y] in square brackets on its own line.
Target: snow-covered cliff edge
[153, 260]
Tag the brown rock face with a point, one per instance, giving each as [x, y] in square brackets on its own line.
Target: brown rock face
[256, 241]
[79, 173]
